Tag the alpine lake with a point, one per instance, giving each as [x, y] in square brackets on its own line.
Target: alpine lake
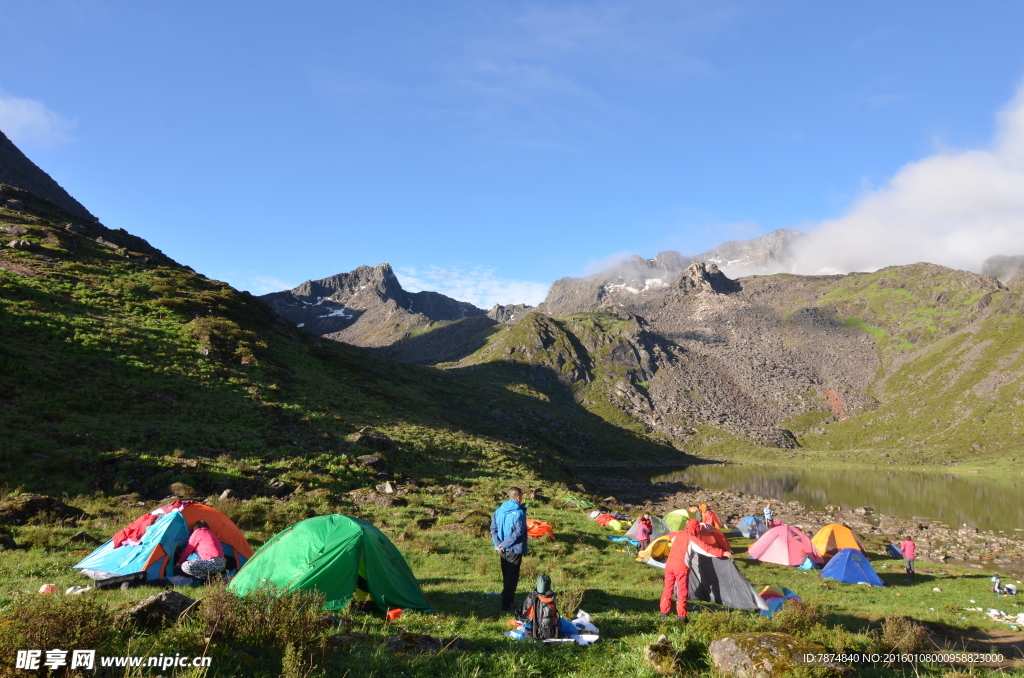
[985, 502]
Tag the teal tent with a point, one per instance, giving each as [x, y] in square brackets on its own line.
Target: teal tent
[343, 557]
[852, 567]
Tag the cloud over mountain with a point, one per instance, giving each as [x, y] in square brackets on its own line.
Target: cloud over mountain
[955, 208]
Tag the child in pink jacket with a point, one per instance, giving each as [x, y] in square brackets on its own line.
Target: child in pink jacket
[208, 547]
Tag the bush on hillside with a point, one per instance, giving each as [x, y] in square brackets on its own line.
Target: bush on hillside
[903, 634]
[55, 621]
[266, 616]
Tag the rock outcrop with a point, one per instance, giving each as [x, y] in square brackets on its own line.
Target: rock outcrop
[764, 655]
[508, 313]
[18, 171]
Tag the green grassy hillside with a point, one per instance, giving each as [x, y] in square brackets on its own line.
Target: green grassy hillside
[124, 372]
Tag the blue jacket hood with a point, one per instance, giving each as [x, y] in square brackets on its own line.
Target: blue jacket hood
[509, 506]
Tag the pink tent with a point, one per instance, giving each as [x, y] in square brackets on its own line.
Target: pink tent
[784, 545]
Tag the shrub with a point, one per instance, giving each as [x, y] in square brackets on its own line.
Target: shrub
[798, 617]
[266, 616]
[708, 625]
[903, 634]
[55, 621]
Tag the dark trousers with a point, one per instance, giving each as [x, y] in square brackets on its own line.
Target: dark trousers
[510, 564]
[908, 563]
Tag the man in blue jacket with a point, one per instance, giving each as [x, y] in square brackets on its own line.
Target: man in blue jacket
[508, 532]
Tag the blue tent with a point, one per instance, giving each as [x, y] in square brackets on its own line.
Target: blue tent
[751, 527]
[154, 555]
[852, 567]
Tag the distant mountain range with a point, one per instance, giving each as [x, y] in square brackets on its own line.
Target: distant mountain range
[670, 348]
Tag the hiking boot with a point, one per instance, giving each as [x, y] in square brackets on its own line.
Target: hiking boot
[682, 620]
[664, 615]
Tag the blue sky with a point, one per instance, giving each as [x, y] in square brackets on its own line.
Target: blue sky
[485, 149]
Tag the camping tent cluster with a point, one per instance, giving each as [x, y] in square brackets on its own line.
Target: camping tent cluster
[345, 558]
[151, 543]
[350, 560]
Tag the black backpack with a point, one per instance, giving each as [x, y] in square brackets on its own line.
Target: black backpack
[541, 611]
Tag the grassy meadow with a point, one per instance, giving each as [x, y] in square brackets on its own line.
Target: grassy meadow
[460, 574]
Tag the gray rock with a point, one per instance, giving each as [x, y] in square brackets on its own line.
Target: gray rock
[371, 460]
[12, 229]
[76, 229]
[7, 542]
[509, 312]
[386, 488]
[373, 440]
[15, 205]
[182, 490]
[764, 655]
[19, 510]
[662, 657]
[21, 244]
[158, 609]
[365, 496]
[278, 488]
[226, 494]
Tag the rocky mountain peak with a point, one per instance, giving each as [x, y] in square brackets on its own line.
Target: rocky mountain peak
[366, 307]
[705, 277]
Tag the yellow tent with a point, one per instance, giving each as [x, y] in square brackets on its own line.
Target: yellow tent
[676, 520]
[833, 538]
[657, 550]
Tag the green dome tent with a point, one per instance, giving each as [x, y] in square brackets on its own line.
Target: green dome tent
[340, 556]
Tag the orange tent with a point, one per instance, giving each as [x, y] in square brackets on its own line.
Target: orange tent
[535, 529]
[833, 538]
[710, 517]
[220, 524]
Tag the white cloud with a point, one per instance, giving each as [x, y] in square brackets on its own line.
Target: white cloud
[478, 285]
[30, 121]
[954, 208]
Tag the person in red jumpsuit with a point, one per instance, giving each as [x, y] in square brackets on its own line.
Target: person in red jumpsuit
[677, 572]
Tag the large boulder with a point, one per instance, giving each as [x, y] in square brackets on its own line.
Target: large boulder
[764, 655]
[366, 496]
[157, 609]
[374, 440]
[19, 510]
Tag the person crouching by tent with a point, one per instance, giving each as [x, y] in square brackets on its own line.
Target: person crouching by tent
[908, 547]
[204, 543]
[508, 532]
[643, 531]
[768, 515]
[677, 572]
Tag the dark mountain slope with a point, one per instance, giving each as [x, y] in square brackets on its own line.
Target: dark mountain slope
[17, 171]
